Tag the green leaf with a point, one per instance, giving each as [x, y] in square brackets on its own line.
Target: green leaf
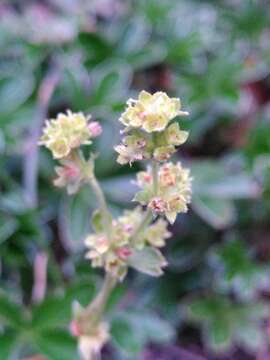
[97, 48]
[142, 196]
[124, 337]
[105, 88]
[97, 221]
[149, 261]
[131, 330]
[51, 313]
[15, 91]
[218, 213]
[56, 311]
[8, 226]
[57, 345]
[10, 313]
[220, 334]
[7, 345]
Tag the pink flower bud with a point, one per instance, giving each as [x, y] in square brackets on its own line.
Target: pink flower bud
[124, 252]
[74, 328]
[95, 128]
[158, 205]
[147, 178]
[71, 171]
[128, 228]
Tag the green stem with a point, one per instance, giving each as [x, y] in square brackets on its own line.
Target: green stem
[155, 176]
[88, 169]
[107, 219]
[145, 221]
[96, 308]
[148, 213]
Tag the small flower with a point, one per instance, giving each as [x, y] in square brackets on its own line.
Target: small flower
[157, 204]
[99, 243]
[157, 233]
[114, 254]
[133, 148]
[69, 176]
[95, 129]
[91, 344]
[173, 193]
[163, 153]
[74, 328]
[175, 136]
[151, 112]
[124, 252]
[67, 132]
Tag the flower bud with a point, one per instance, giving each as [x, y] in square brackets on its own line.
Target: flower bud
[95, 129]
[75, 329]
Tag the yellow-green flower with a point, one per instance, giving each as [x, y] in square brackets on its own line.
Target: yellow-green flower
[134, 147]
[68, 175]
[151, 112]
[175, 136]
[66, 132]
[173, 193]
[113, 254]
[157, 233]
[163, 153]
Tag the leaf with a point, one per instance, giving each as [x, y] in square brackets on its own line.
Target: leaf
[56, 311]
[8, 226]
[51, 313]
[131, 330]
[149, 261]
[218, 213]
[105, 88]
[124, 336]
[78, 210]
[219, 334]
[7, 345]
[97, 221]
[142, 196]
[57, 345]
[96, 47]
[15, 91]
[10, 313]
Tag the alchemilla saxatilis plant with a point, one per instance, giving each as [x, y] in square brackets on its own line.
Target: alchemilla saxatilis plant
[150, 134]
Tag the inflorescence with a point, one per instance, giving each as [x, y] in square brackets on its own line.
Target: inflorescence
[134, 239]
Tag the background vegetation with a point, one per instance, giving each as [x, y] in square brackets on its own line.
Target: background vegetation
[213, 301]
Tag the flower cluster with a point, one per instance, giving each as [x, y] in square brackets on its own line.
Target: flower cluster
[133, 239]
[113, 252]
[63, 135]
[151, 112]
[173, 190]
[67, 132]
[149, 128]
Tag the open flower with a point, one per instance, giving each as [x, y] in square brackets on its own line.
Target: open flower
[68, 175]
[173, 193]
[113, 254]
[67, 132]
[151, 112]
[134, 147]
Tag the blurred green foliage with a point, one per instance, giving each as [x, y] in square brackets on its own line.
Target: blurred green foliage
[215, 55]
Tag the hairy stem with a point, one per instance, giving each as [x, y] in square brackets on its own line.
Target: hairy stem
[96, 308]
[107, 219]
[148, 213]
[155, 176]
[98, 305]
